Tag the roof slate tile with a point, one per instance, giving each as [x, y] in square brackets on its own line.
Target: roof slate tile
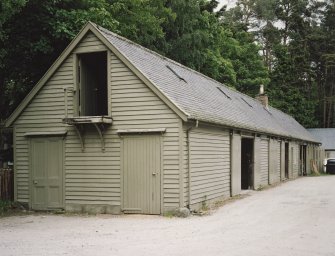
[200, 98]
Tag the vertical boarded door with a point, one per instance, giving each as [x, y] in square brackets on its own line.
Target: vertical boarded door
[141, 174]
[264, 162]
[46, 172]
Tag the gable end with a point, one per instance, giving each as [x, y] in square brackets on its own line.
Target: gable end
[90, 27]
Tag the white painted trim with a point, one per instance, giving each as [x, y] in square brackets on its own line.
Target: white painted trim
[127, 131]
[34, 134]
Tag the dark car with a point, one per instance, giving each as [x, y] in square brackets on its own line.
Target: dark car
[330, 165]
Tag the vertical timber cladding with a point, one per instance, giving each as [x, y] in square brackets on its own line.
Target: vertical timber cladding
[141, 170]
[264, 162]
[46, 166]
[209, 165]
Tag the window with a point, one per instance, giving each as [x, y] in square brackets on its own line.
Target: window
[92, 80]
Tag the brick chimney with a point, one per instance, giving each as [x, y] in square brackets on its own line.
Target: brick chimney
[262, 97]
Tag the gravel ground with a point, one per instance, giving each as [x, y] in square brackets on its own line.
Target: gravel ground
[294, 218]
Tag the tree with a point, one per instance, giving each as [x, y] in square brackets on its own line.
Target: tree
[49, 25]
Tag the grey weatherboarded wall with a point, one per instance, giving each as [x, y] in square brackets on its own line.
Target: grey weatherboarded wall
[209, 164]
[263, 162]
[275, 159]
[93, 177]
[49, 104]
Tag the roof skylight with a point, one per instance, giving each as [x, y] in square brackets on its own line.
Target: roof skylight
[246, 102]
[176, 74]
[225, 94]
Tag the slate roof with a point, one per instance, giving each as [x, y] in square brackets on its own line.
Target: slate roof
[203, 98]
[326, 136]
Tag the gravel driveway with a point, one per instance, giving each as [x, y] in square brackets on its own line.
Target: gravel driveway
[294, 218]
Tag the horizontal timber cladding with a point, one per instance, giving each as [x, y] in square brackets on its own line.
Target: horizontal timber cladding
[93, 177]
[90, 43]
[43, 114]
[209, 164]
[264, 162]
[135, 106]
[274, 161]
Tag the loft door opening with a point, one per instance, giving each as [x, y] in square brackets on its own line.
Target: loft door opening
[92, 98]
[247, 156]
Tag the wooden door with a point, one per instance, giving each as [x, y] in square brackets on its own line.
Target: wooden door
[46, 165]
[141, 160]
[264, 162]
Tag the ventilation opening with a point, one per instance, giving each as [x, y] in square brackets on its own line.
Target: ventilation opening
[225, 94]
[93, 84]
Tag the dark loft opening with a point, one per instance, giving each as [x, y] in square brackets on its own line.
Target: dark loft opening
[93, 84]
[247, 156]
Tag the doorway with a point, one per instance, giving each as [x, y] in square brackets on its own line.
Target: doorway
[286, 160]
[46, 166]
[92, 79]
[141, 161]
[247, 156]
[302, 160]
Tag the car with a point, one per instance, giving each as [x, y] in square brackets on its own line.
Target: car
[329, 165]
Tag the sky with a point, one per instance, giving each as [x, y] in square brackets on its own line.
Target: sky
[229, 3]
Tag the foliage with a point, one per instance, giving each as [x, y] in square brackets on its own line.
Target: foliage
[288, 45]
[5, 206]
[297, 44]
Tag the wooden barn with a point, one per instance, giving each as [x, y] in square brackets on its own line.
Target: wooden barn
[113, 127]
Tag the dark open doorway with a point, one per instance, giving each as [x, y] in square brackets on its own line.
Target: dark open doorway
[286, 160]
[247, 156]
[302, 160]
[93, 84]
